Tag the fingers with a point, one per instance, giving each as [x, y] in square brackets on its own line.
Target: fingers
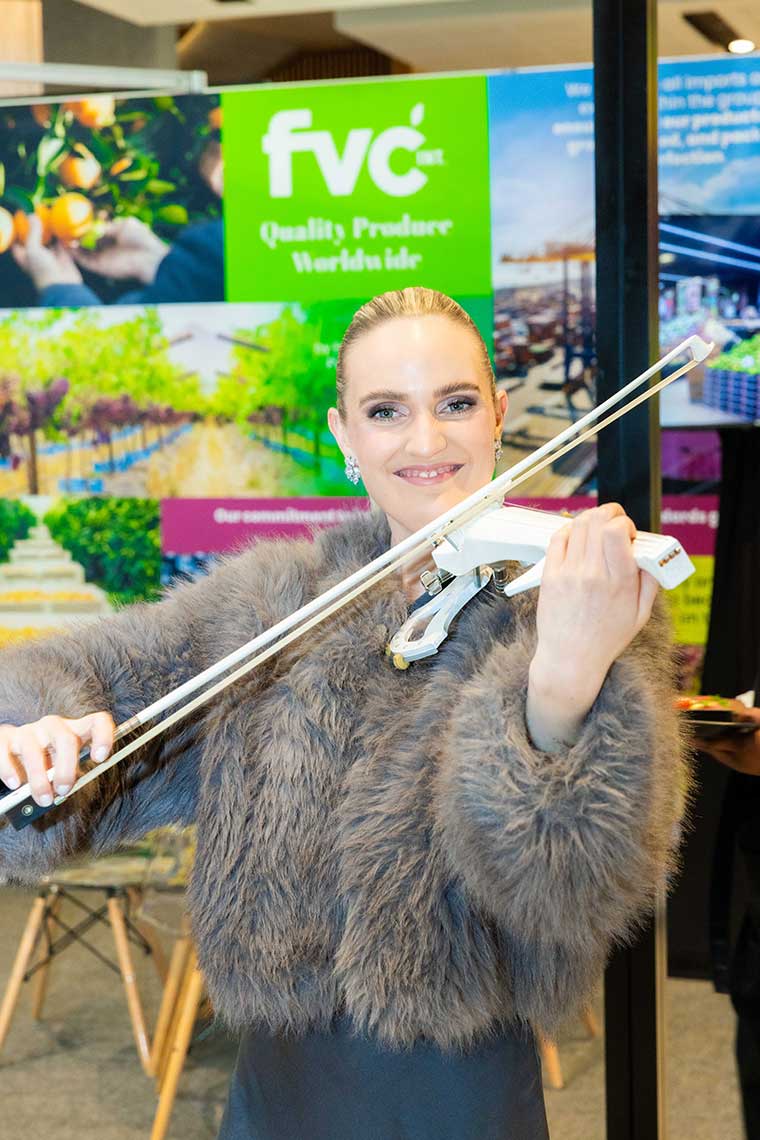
[576, 542]
[66, 746]
[30, 745]
[87, 258]
[11, 772]
[18, 252]
[33, 241]
[556, 550]
[97, 730]
[648, 591]
[586, 545]
[49, 749]
[617, 547]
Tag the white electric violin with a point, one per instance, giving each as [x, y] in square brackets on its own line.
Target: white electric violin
[471, 545]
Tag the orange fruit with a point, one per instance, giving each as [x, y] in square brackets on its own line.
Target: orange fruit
[42, 113]
[21, 224]
[6, 229]
[71, 216]
[121, 165]
[215, 118]
[97, 111]
[80, 169]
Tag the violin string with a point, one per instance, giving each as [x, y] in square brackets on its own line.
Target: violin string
[14, 798]
[596, 428]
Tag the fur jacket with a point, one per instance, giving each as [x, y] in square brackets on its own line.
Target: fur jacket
[383, 844]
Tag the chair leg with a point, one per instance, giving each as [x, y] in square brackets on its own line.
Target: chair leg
[588, 1018]
[150, 936]
[180, 1044]
[23, 957]
[116, 916]
[550, 1061]
[43, 974]
[172, 986]
[175, 1015]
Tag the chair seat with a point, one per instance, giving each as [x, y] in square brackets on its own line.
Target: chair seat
[119, 871]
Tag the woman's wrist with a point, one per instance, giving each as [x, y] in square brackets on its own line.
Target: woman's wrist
[560, 697]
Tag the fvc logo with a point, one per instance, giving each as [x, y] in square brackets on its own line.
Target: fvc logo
[290, 132]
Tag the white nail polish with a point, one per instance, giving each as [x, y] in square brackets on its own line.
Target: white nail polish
[99, 754]
[45, 801]
[12, 782]
[62, 789]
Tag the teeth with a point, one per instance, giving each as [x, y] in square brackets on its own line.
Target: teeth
[427, 474]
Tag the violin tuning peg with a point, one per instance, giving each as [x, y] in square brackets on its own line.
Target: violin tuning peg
[432, 582]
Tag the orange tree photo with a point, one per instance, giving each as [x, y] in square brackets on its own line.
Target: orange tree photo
[72, 173]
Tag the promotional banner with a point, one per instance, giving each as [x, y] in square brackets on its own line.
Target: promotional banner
[337, 197]
[176, 275]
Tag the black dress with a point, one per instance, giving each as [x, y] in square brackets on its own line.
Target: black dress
[339, 1086]
[336, 1086]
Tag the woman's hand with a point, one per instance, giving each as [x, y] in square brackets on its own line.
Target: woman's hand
[739, 752]
[46, 265]
[592, 603]
[25, 752]
[128, 248]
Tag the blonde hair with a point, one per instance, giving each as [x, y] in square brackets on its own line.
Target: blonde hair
[412, 302]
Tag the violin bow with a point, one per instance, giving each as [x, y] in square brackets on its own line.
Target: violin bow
[22, 809]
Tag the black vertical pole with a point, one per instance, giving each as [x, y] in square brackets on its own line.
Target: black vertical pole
[625, 82]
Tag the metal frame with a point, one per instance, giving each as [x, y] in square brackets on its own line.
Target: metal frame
[625, 78]
[85, 77]
[55, 946]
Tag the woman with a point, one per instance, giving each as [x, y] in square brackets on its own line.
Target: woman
[399, 875]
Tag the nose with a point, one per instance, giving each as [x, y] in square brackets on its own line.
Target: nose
[427, 437]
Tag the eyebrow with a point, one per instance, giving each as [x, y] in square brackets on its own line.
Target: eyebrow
[447, 390]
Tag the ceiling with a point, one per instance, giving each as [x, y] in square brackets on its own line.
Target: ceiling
[156, 12]
[438, 36]
[502, 33]
[239, 51]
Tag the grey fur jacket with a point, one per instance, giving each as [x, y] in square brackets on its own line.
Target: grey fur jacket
[384, 844]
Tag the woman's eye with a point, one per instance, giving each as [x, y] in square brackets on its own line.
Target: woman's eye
[460, 405]
[385, 412]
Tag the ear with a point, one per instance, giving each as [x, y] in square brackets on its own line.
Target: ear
[501, 405]
[338, 430]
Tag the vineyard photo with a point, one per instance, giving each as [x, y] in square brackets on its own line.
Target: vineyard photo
[172, 401]
[106, 200]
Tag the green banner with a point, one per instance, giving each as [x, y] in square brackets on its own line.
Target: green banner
[349, 189]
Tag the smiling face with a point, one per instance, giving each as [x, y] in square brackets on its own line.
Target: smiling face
[420, 417]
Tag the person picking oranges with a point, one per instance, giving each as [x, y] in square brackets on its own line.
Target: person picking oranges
[45, 264]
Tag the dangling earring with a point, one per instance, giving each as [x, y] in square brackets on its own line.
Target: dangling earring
[352, 469]
[497, 450]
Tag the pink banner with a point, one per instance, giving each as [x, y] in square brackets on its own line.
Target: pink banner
[211, 526]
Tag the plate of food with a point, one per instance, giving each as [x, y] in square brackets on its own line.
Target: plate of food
[711, 716]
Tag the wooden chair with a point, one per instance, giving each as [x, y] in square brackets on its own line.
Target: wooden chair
[550, 1053]
[183, 1001]
[122, 881]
